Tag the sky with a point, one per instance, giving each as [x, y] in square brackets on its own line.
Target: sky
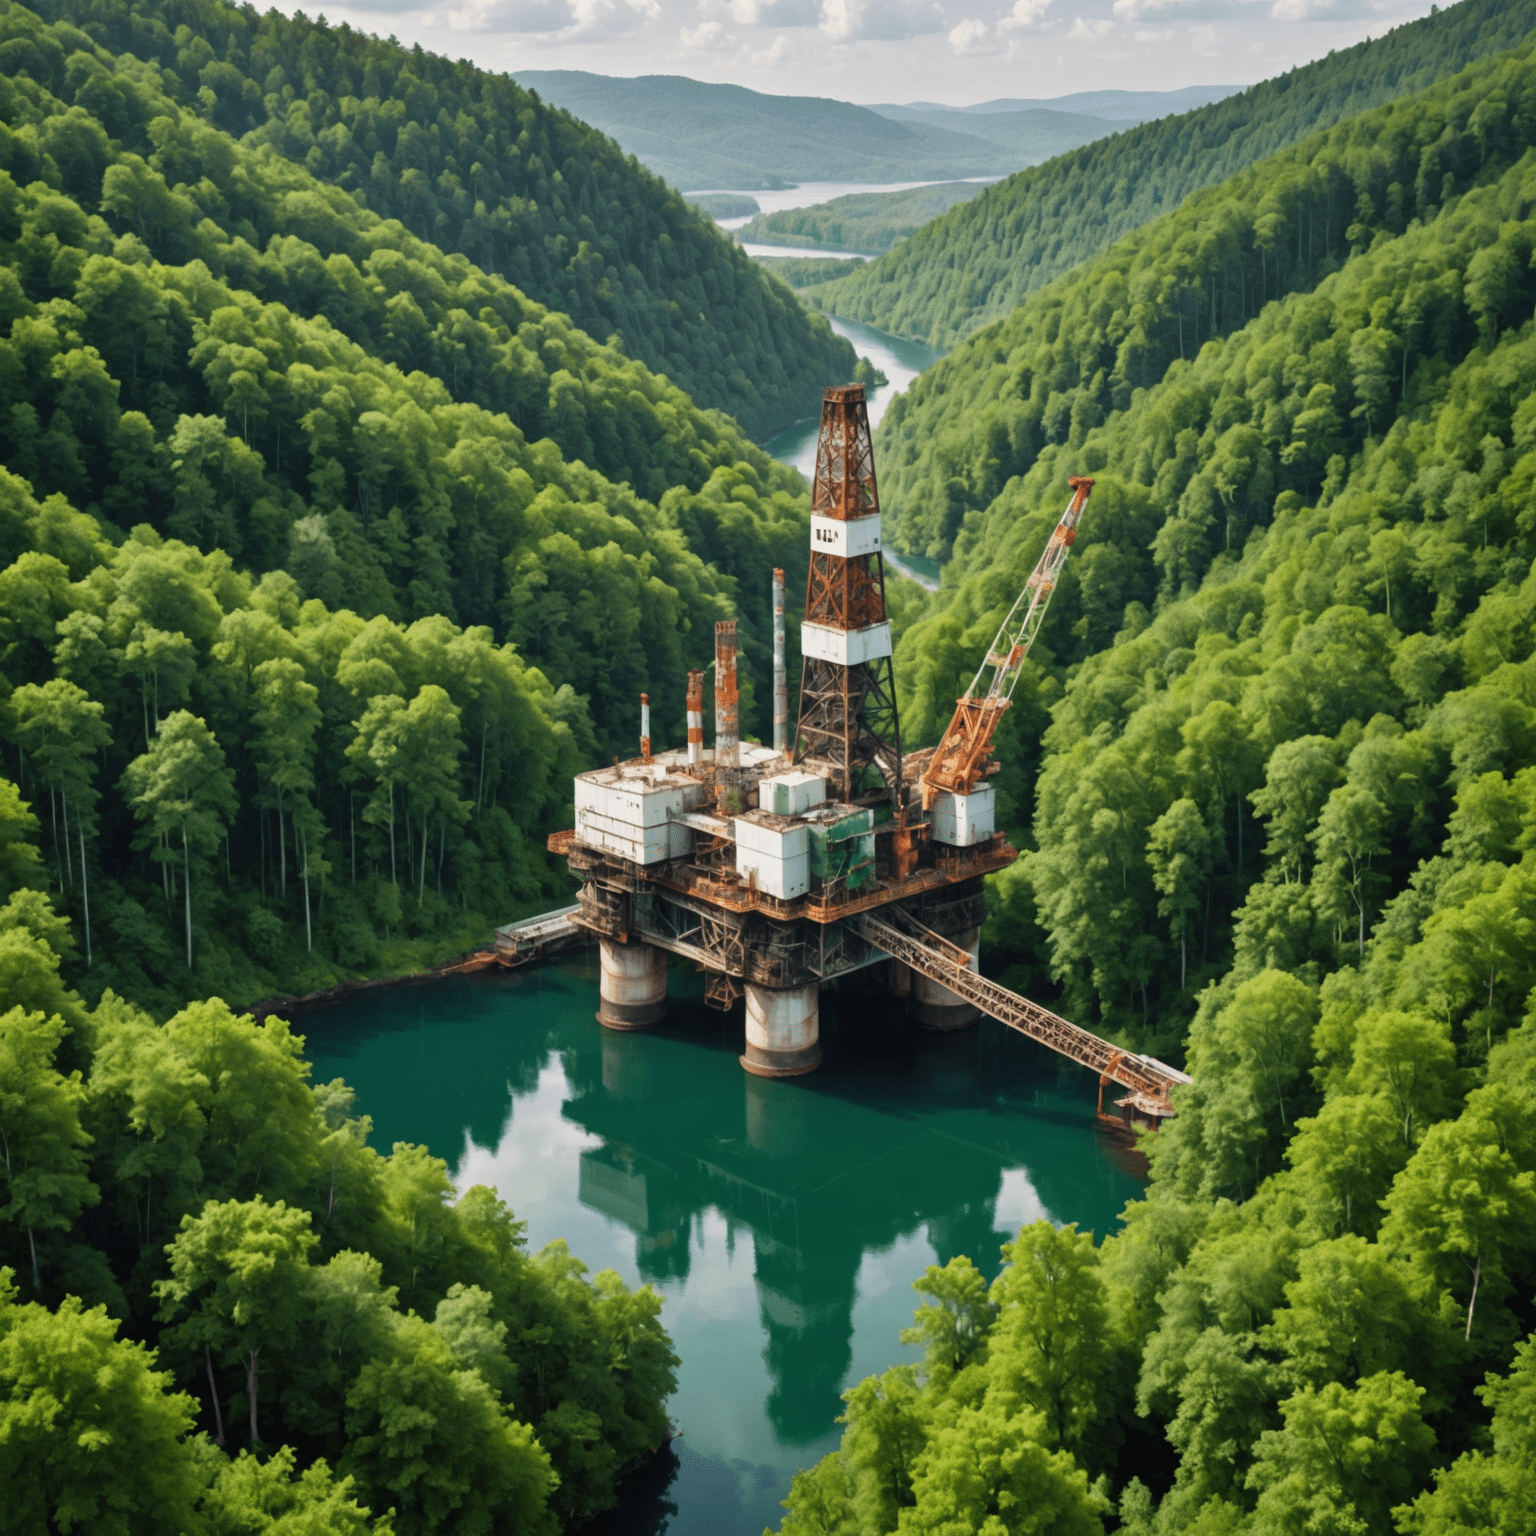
[951, 51]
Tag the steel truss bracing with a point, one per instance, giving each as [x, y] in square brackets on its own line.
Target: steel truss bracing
[848, 722]
[960, 759]
[843, 485]
[902, 937]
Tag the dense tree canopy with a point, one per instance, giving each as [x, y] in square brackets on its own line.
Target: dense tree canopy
[1278, 827]
[479, 167]
[979, 261]
[312, 1303]
[325, 556]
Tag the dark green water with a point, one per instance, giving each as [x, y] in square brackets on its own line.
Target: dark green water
[783, 1221]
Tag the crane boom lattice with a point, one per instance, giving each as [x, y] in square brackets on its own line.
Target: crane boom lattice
[960, 758]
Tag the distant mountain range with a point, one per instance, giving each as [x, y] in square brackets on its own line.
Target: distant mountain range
[1117, 106]
[702, 136]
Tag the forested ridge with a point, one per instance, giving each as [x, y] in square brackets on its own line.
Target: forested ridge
[326, 558]
[290, 470]
[861, 221]
[479, 167]
[1273, 769]
[980, 260]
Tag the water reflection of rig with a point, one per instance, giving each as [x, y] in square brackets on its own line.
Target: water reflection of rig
[777, 869]
[813, 1183]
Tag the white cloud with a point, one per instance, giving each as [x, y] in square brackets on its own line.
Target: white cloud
[510, 16]
[847, 21]
[1085, 31]
[561, 21]
[707, 37]
[1181, 10]
[1326, 10]
[404, 7]
[891, 50]
[1025, 16]
[972, 37]
[774, 56]
[775, 13]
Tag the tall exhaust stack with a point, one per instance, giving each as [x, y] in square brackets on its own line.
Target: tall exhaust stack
[645, 727]
[727, 724]
[780, 669]
[695, 719]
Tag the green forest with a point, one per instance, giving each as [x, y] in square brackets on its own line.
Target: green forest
[871, 222]
[333, 541]
[975, 264]
[1272, 773]
[337, 534]
[802, 271]
[473, 164]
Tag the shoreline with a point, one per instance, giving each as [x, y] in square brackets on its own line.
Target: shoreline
[288, 1005]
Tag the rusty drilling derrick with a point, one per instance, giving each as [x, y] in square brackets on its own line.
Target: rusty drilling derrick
[776, 869]
[848, 728]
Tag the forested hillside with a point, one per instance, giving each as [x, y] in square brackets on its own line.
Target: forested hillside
[871, 222]
[343, 1343]
[1280, 826]
[1081, 350]
[327, 556]
[980, 260]
[703, 134]
[479, 167]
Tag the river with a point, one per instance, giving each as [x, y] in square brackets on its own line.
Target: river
[783, 1222]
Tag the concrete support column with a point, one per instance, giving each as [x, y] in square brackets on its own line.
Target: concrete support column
[783, 1030]
[937, 1007]
[632, 984]
[898, 978]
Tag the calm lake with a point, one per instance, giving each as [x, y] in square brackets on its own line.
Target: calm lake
[783, 1222]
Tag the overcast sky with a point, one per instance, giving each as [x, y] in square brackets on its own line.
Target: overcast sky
[954, 51]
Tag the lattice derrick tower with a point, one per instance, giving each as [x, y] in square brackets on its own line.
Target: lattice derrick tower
[848, 726]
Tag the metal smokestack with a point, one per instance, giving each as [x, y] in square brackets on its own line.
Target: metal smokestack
[645, 727]
[780, 669]
[695, 719]
[727, 699]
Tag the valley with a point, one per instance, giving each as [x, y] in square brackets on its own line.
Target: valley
[390, 443]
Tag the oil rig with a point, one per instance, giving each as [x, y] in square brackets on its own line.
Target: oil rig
[777, 869]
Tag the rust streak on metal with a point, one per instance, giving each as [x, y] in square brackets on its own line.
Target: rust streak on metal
[727, 697]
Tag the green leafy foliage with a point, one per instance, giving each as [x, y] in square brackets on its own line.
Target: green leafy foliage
[1281, 826]
[323, 1305]
[976, 1441]
[1238, 264]
[456, 156]
[979, 261]
[240, 355]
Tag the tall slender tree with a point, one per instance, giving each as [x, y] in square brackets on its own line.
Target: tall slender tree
[62, 731]
[183, 786]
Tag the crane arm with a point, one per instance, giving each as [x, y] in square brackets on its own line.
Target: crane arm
[961, 757]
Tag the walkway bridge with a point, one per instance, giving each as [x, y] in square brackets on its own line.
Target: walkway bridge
[904, 938]
[895, 932]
